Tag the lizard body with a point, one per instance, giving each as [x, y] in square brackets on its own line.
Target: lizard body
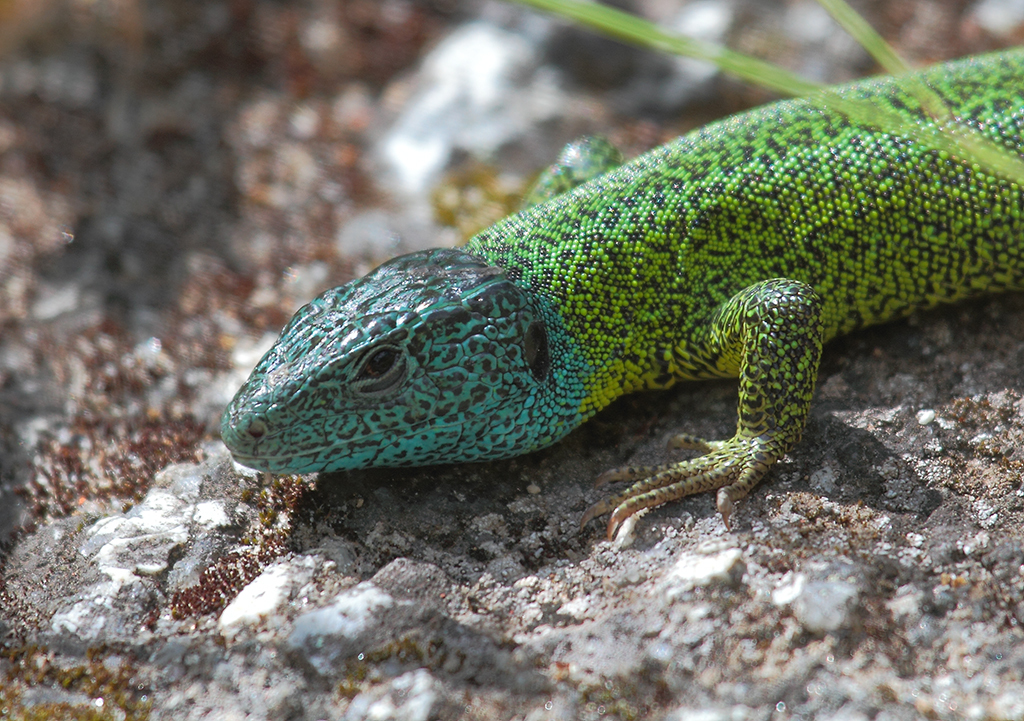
[736, 250]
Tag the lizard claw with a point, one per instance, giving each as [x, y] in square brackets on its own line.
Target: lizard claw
[724, 504]
[598, 509]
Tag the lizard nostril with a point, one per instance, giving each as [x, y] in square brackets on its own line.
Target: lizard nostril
[256, 430]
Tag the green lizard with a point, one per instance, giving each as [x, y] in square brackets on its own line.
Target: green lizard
[736, 250]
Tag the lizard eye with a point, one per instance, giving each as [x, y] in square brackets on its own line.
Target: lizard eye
[381, 370]
[535, 345]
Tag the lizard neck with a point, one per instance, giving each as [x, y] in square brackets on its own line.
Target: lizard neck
[606, 336]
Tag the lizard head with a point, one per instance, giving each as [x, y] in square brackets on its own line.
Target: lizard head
[433, 357]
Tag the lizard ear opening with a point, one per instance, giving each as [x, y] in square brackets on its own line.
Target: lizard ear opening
[535, 345]
[381, 369]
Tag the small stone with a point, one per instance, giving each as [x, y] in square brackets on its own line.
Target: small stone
[825, 606]
[823, 481]
[906, 602]
[329, 634]
[736, 713]
[52, 301]
[820, 606]
[478, 90]
[413, 696]
[348, 615]
[694, 569]
[915, 539]
[417, 581]
[925, 416]
[265, 594]
[578, 608]
[1001, 18]
[304, 122]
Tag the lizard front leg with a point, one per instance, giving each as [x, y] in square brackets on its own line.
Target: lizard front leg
[770, 335]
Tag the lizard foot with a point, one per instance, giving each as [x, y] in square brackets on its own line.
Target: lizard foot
[733, 467]
[770, 335]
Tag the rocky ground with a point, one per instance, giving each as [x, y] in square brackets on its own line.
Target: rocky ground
[177, 177]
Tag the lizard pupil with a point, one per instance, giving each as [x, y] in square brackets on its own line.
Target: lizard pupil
[383, 370]
[535, 345]
[378, 364]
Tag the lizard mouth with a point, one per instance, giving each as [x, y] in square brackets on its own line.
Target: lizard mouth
[250, 449]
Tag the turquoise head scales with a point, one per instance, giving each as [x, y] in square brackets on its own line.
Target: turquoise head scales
[433, 357]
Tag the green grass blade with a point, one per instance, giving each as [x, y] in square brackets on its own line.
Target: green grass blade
[942, 131]
[865, 35]
[948, 133]
[636, 30]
